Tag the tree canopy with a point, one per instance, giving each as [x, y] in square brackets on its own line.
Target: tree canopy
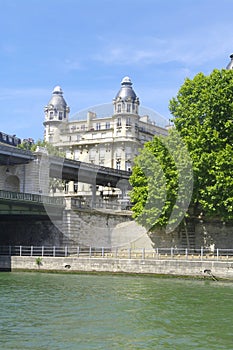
[39, 143]
[203, 111]
[162, 182]
[199, 148]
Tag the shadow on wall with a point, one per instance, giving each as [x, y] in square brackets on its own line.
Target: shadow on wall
[5, 263]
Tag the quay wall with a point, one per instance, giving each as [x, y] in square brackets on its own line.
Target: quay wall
[176, 267]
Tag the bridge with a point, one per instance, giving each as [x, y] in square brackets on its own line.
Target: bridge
[17, 205]
[65, 169]
[10, 155]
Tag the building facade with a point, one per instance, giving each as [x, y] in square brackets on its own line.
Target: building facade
[111, 141]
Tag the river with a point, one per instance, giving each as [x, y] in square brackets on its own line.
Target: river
[43, 311]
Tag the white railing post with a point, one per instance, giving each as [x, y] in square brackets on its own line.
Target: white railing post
[129, 253]
[217, 253]
[90, 252]
[143, 253]
[172, 252]
[31, 250]
[78, 251]
[102, 252]
[66, 250]
[20, 250]
[54, 251]
[42, 251]
[201, 253]
[186, 253]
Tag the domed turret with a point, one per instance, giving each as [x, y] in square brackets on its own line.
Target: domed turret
[126, 92]
[126, 100]
[230, 64]
[56, 112]
[57, 109]
[57, 100]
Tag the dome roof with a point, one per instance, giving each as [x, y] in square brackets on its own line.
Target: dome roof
[126, 90]
[230, 64]
[57, 100]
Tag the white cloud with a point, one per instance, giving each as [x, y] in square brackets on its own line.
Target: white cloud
[191, 48]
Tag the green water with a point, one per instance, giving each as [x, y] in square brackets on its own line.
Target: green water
[59, 311]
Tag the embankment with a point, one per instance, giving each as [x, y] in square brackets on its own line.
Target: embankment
[194, 268]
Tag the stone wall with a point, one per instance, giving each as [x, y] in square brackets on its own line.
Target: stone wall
[103, 229]
[218, 269]
[213, 234]
[28, 231]
[32, 177]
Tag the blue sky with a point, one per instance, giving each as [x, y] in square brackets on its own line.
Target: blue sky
[88, 46]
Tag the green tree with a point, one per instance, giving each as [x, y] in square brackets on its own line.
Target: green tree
[39, 143]
[197, 155]
[203, 115]
[162, 183]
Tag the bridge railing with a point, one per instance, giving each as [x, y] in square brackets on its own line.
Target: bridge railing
[118, 253]
[38, 198]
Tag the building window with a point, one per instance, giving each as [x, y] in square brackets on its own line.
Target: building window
[83, 127]
[102, 153]
[118, 122]
[60, 115]
[50, 115]
[118, 164]
[128, 108]
[128, 165]
[98, 126]
[119, 108]
[128, 122]
[75, 187]
[107, 125]
[92, 154]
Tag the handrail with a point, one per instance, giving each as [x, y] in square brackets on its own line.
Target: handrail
[183, 254]
[32, 197]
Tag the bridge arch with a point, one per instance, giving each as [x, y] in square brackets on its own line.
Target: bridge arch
[12, 183]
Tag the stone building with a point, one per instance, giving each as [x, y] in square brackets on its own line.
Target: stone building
[111, 141]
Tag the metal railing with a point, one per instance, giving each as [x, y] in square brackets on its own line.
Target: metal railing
[118, 253]
[31, 197]
[79, 203]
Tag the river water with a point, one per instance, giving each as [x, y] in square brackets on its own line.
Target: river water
[60, 311]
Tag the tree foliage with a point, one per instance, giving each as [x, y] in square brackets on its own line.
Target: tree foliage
[203, 111]
[161, 180]
[164, 185]
[49, 147]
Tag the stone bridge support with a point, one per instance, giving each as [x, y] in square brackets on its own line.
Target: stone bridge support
[32, 177]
